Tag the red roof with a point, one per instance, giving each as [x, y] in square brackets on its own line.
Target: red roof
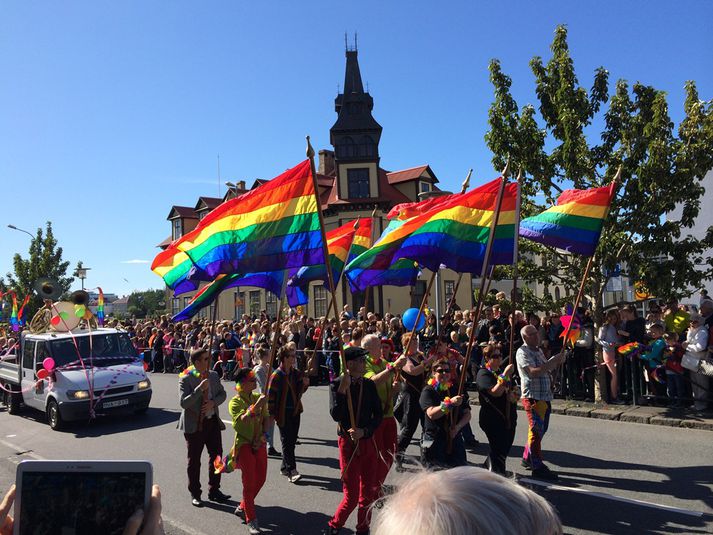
[208, 203]
[396, 177]
[388, 194]
[165, 243]
[185, 212]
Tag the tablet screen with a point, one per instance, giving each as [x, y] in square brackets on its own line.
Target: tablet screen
[77, 503]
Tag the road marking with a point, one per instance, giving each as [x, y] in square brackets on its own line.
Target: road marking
[551, 486]
[166, 520]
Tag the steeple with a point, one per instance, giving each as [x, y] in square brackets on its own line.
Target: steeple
[355, 135]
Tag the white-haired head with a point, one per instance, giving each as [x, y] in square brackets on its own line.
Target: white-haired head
[465, 500]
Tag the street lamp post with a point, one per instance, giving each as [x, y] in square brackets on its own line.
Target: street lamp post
[13, 227]
[82, 274]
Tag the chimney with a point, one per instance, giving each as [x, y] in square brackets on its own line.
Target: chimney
[240, 185]
[326, 162]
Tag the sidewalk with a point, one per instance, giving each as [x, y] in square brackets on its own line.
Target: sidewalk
[626, 413]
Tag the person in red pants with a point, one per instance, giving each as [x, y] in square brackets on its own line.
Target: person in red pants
[357, 454]
[382, 373]
[248, 410]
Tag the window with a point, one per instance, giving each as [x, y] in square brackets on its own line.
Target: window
[346, 148]
[449, 288]
[203, 214]
[425, 187]
[255, 303]
[271, 304]
[557, 293]
[177, 229]
[358, 183]
[239, 304]
[417, 294]
[320, 301]
[367, 147]
[175, 306]
[186, 301]
[28, 354]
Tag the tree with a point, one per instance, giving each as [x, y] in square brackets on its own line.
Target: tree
[661, 170]
[45, 260]
[146, 303]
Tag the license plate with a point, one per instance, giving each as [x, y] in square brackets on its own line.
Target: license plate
[117, 403]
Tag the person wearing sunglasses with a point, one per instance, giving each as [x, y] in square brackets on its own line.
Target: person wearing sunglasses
[498, 407]
[248, 410]
[446, 412]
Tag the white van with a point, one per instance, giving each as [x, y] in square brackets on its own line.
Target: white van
[109, 377]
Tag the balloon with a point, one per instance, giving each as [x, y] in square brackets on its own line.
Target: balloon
[80, 310]
[409, 318]
[48, 364]
[42, 374]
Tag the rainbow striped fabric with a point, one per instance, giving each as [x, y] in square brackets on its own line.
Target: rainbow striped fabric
[362, 238]
[453, 232]
[574, 223]
[339, 242]
[272, 227]
[177, 270]
[271, 281]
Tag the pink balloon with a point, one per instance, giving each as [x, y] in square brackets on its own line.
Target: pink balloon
[42, 374]
[48, 364]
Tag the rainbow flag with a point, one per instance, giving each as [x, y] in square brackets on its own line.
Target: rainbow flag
[574, 223]
[362, 238]
[272, 227]
[339, 242]
[14, 322]
[21, 313]
[177, 270]
[453, 232]
[271, 281]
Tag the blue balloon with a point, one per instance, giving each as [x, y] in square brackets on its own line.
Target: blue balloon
[409, 318]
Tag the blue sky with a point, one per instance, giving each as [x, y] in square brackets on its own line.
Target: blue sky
[114, 111]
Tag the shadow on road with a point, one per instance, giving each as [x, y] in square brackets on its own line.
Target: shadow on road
[121, 423]
[282, 521]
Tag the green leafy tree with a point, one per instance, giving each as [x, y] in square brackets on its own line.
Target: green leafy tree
[661, 169]
[147, 303]
[45, 260]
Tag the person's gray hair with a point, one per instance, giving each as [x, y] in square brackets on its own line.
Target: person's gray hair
[523, 331]
[465, 500]
[370, 339]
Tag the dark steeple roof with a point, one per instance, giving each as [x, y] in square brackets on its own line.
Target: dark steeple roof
[354, 106]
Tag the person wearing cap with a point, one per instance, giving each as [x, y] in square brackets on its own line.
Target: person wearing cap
[357, 453]
[382, 373]
[248, 410]
[696, 346]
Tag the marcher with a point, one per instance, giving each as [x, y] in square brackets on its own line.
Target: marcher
[201, 392]
[357, 454]
[446, 413]
[248, 410]
[498, 407]
[262, 375]
[284, 391]
[382, 373]
[535, 370]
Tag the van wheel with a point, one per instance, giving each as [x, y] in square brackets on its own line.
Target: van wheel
[13, 402]
[54, 418]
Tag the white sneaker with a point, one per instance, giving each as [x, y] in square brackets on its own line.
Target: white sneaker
[294, 476]
[253, 527]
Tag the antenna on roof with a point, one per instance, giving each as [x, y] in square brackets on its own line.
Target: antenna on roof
[346, 45]
[356, 45]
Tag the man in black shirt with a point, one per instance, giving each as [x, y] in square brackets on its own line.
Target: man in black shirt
[357, 455]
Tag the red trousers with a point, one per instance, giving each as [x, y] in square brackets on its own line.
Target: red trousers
[253, 466]
[385, 441]
[357, 482]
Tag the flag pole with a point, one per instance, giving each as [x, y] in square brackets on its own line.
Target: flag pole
[278, 318]
[356, 227]
[330, 279]
[463, 188]
[483, 276]
[515, 256]
[366, 292]
[423, 305]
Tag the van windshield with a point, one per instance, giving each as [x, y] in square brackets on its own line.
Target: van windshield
[104, 350]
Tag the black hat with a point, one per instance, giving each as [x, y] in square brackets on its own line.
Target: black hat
[353, 353]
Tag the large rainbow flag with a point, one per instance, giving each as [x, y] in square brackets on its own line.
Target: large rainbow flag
[574, 223]
[271, 281]
[175, 268]
[272, 227]
[339, 244]
[453, 232]
[362, 238]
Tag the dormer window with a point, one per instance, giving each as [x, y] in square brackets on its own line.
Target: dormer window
[358, 183]
[425, 187]
[177, 229]
[202, 214]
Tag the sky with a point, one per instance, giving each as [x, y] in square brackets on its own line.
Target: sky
[112, 112]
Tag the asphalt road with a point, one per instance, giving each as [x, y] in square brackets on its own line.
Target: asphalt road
[615, 477]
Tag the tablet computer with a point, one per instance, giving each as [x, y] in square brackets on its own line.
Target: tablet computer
[79, 497]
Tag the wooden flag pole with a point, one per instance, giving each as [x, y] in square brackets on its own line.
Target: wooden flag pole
[463, 188]
[276, 330]
[483, 277]
[515, 256]
[423, 305]
[366, 292]
[330, 279]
